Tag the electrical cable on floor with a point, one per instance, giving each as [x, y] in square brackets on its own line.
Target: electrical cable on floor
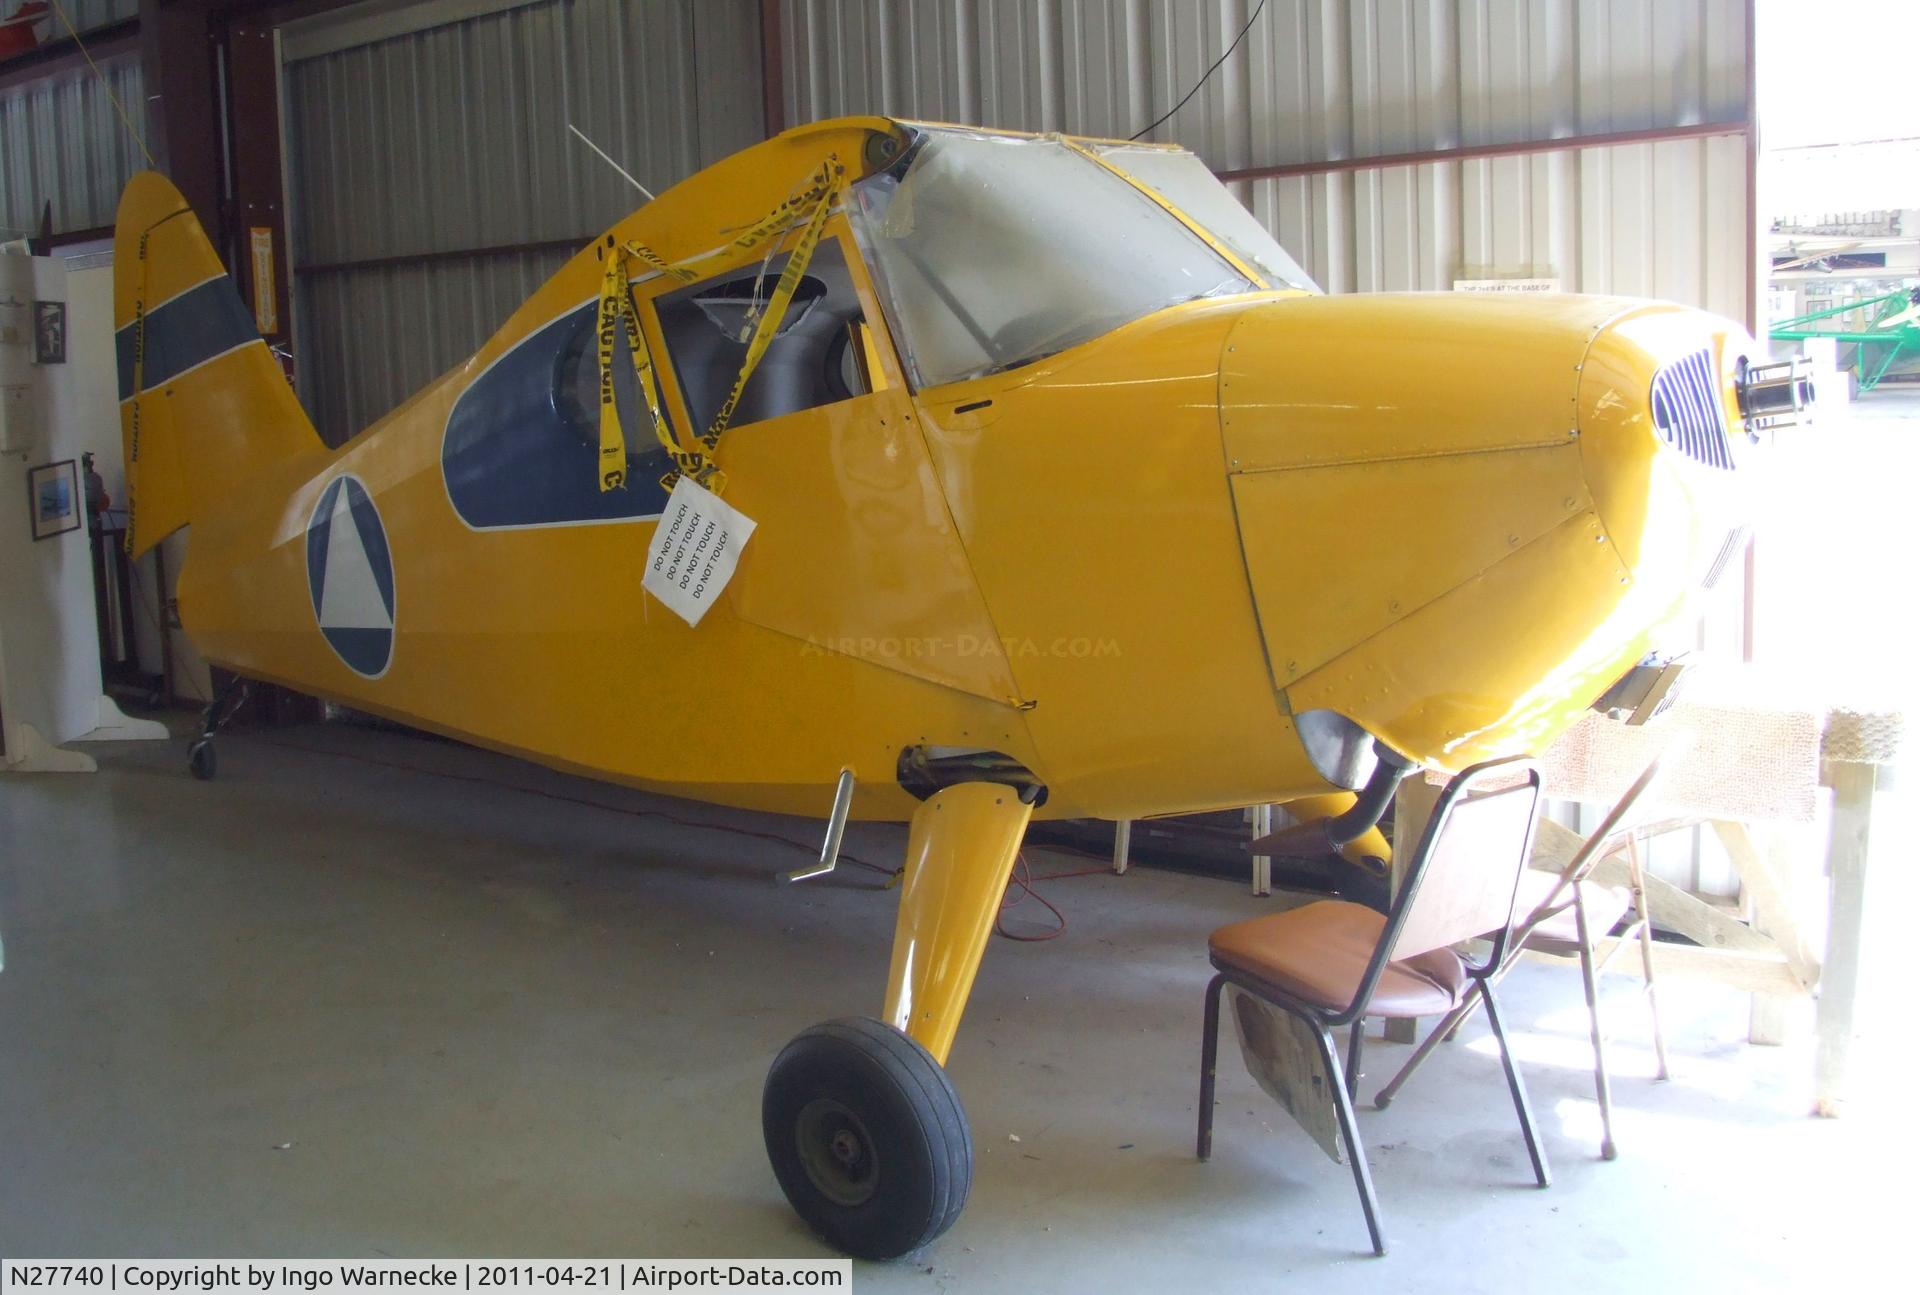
[661, 815]
[1207, 76]
[1023, 878]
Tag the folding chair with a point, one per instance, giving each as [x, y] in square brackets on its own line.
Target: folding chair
[1567, 915]
[1333, 963]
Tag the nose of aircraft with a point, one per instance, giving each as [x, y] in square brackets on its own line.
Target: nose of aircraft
[1669, 455]
[1464, 518]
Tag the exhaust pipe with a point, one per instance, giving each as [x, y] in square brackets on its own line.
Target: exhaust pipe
[1326, 835]
[1774, 395]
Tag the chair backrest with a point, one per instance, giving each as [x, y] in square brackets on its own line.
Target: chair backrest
[1465, 873]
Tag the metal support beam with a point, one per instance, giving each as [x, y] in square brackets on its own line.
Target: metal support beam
[773, 78]
[63, 55]
[1611, 139]
[258, 216]
[183, 101]
[1756, 280]
[446, 254]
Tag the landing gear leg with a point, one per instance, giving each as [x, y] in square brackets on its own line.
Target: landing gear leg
[865, 1131]
[200, 758]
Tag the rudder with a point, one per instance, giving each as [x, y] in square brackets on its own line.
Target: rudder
[204, 405]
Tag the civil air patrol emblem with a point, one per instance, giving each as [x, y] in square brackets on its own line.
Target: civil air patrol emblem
[350, 576]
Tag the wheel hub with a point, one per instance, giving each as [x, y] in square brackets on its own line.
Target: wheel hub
[837, 1152]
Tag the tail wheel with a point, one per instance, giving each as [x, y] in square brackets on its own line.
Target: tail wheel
[867, 1138]
[200, 761]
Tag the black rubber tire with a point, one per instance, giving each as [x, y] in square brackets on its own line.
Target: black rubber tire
[200, 760]
[894, 1110]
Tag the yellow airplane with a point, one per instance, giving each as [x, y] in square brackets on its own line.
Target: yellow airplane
[1053, 484]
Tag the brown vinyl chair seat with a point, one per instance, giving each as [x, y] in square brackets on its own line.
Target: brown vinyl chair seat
[1331, 964]
[1318, 953]
[1559, 934]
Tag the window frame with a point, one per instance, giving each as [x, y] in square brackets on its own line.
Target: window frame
[837, 228]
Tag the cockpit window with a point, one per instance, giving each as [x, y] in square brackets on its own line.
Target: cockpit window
[708, 325]
[1184, 180]
[995, 252]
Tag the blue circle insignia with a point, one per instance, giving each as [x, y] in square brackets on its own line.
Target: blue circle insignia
[350, 576]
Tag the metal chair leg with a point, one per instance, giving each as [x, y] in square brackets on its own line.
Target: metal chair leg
[1355, 1041]
[1516, 1087]
[1350, 1130]
[1637, 879]
[1209, 1051]
[1601, 1087]
[1448, 1024]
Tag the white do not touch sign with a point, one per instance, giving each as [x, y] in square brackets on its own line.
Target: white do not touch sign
[695, 550]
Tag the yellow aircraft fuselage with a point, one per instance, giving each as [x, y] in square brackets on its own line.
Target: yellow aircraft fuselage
[1154, 567]
[1448, 518]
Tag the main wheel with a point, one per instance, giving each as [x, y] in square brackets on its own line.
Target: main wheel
[867, 1137]
[200, 760]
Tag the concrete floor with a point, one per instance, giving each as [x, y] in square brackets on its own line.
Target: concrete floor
[357, 999]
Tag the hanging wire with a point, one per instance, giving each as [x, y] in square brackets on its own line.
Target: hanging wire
[1254, 18]
[118, 107]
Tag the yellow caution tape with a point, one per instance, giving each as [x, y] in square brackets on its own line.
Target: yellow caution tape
[617, 308]
[768, 326]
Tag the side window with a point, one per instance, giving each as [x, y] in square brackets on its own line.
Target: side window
[521, 446]
[522, 443]
[822, 353]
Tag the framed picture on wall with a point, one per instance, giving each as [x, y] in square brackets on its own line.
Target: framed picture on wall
[49, 332]
[53, 499]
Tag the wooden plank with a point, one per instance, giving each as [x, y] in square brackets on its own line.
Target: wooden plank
[1684, 913]
[1773, 910]
[1848, 840]
[1262, 825]
[1751, 973]
[1673, 908]
[1283, 1056]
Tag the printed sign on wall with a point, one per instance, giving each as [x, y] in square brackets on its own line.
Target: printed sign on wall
[266, 315]
[1506, 285]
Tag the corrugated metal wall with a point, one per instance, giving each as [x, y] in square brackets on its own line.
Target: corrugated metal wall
[89, 14]
[454, 139]
[61, 140]
[85, 16]
[1318, 80]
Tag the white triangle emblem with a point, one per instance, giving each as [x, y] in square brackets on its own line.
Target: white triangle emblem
[350, 596]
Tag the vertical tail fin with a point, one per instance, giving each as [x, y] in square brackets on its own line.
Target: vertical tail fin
[204, 405]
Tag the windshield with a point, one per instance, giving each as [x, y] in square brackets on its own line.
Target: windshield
[994, 252]
[1184, 180]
